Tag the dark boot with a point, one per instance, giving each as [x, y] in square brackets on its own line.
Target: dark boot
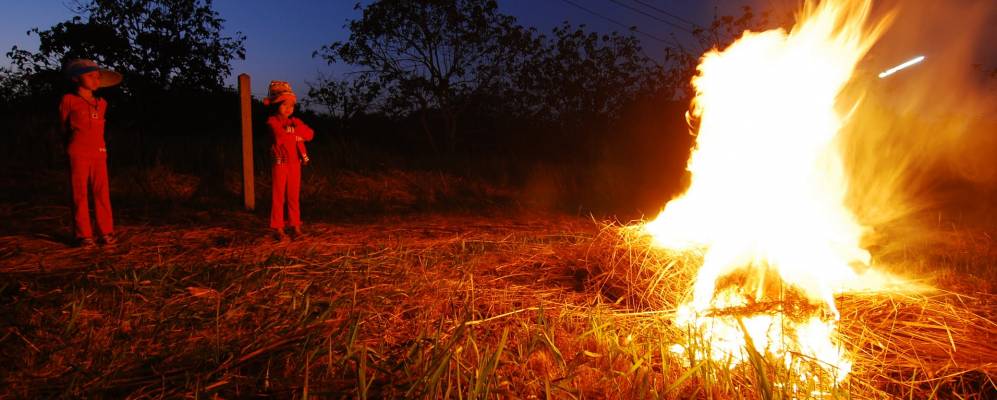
[279, 235]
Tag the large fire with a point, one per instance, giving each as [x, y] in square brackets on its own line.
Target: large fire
[766, 204]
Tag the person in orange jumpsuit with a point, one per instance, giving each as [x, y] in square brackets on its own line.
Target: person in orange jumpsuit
[81, 116]
[289, 135]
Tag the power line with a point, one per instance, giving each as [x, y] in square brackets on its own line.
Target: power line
[653, 7]
[641, 12]
[576, 5]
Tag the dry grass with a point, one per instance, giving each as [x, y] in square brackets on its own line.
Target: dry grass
[158, 183]
[430, 306]
[387, 191]
[921, 341]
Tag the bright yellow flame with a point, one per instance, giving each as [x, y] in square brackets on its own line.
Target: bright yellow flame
[768, 186]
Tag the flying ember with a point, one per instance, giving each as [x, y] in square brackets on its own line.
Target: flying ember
[905, 64]
[766, 202]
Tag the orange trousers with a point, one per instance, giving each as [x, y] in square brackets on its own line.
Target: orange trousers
[286, 180]
[88, 175]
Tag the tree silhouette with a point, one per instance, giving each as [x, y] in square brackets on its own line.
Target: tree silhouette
[346, 99]
[428, 56]
[577, 74]
[159, 44]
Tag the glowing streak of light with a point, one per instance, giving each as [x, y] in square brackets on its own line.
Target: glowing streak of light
[906, 64]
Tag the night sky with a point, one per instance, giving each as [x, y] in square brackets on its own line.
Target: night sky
[281, 36]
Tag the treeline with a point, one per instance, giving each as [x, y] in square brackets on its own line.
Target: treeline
[451, 85]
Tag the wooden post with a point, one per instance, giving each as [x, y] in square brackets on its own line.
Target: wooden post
[245, 100]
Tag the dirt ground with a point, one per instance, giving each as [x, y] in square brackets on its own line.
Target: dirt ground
[197, 299]
[190, 295]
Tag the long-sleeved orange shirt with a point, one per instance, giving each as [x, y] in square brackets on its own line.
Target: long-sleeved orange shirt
[285, 132]
[84, 122]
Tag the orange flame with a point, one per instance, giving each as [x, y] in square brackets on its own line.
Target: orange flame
[768, 186]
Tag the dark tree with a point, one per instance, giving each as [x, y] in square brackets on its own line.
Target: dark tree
[428, 56]
[577, 75]
[159, 44]
[12, 86]
[346, 99]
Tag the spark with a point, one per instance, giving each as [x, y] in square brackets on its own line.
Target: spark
[906, 64]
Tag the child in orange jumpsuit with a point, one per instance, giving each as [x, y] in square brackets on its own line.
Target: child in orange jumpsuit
[289, 135]
[81, 115]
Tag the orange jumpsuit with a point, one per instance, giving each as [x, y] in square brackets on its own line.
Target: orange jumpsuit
[84, 122]
[287, 169]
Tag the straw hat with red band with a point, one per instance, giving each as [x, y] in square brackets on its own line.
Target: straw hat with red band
[279, 92]
[80, 66]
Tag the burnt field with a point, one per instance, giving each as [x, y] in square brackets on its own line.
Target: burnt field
[457, 297]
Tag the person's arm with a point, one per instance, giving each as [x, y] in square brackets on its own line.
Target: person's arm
[303, 131]
[64, 110]
[280, 135]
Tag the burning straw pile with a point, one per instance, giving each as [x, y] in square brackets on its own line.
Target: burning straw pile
[784, 284]
[917, 343]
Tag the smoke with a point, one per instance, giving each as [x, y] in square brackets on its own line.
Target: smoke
[923, 141]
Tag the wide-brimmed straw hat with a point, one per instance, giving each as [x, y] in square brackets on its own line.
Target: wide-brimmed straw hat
[279, 92]
[79, 66]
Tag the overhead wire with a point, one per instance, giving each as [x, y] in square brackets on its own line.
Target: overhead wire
[634, 27]
[655, 8]
[656, 18]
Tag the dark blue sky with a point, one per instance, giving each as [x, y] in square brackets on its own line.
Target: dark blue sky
[281, 35]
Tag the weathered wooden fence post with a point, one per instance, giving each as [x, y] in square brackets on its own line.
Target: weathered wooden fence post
[245, 100]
